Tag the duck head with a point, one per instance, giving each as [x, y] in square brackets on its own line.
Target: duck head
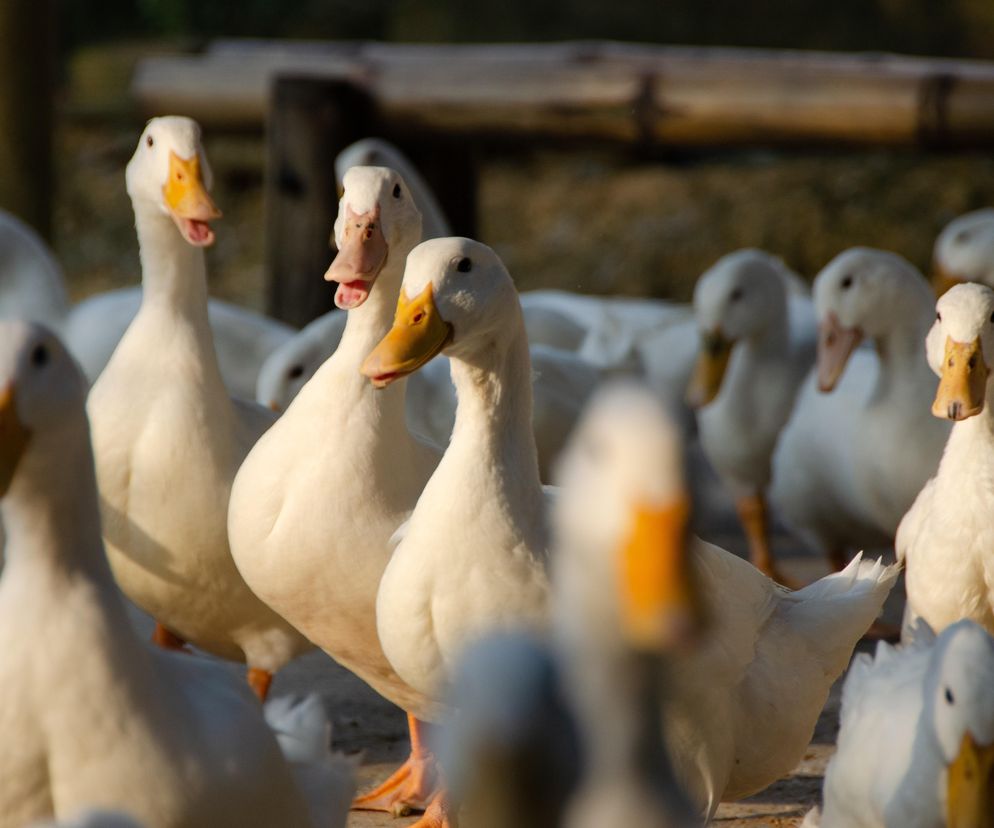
[959, 709]
[41, 390]
[964, 251]
[376, 215]
[169, 173]
[624, 507]
[737, 298]
[858, 295]
[960, 350]
[456, 297]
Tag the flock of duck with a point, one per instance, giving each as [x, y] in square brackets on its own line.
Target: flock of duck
[567, 655]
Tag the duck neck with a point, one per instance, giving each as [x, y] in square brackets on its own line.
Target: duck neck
[770, 343]
[51, 518]
[970, 444]
[174, 273]
[493, 425]
[902, 353]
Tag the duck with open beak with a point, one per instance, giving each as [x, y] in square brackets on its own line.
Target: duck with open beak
[188, 201]
[419, 333]
[14, 438]
[362, 252]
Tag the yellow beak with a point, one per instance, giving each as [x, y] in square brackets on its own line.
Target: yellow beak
[14, 438]
[418, 334]
[188, 200]
[660, 603]
[963, 383]
[709, 370]
[835, 345]
[969, 793]
[942, 280]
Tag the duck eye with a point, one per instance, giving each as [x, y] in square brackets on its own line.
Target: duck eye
[39, 356]
[296, 372]
[938, 316]
[396, 190]
[150, 141]
[736, 295]
[847, 283]
[465, 265]
[949, 696]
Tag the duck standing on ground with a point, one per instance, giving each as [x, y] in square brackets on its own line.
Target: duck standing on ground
[947, 539]
[167, 437]
[861, 442]
[92, 717]
[757, 345]
[317, 499]
[472, 556]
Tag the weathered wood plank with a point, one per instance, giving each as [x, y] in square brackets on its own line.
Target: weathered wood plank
[607, 92]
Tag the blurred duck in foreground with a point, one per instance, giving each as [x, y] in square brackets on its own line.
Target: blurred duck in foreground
[861, 442]
[757, 345]
[916, 747]
[947, 538]
[767, 648]
[167, 437]
[92, 718]
[964, 251]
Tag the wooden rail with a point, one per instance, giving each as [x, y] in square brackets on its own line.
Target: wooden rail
[599, 92]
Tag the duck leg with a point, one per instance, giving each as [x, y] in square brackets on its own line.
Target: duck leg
[440, 813]
[413, 786]
[167, 639]
[754, 518]
[259, 680]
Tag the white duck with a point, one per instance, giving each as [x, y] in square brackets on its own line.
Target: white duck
[315, 502]
[167, 437]
[740, 707]
[757, 345]
[472, 555]
[92, 717]
[946, 539]
[31, 282]
[964, 251]
[32, 286]
[843, 471]
[916, 746]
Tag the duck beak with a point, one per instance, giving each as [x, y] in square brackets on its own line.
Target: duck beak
[943, 279]
[709, 370]
[14, 438]
[963, 383]
[969, 792]
[188, 200]
[418, 334]
[660, 603]
[835, 345]
[360, 258]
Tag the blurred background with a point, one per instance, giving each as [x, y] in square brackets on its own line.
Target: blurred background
[618, 219]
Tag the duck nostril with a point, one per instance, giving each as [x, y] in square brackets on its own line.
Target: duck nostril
[953, 411]
[972, 363]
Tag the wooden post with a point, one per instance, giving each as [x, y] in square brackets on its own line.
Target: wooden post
[449, 165]
[310, 121]
[26, 78]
